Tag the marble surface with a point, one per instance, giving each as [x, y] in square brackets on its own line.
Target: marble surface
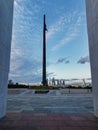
[92, 26]
[6, 13]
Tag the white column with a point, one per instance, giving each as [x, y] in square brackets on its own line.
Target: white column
[6, 15]
[92, 26]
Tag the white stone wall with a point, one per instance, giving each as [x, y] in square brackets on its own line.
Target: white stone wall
[6, 13]
[92, 26]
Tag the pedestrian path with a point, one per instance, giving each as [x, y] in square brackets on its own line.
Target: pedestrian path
[52, 102]
[56, 110]
[30, 121]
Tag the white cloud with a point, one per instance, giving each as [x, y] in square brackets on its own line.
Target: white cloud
[25, 61]
[62, 60]
[26, 54]
[84, 60]
[58, 25]
[72, 33]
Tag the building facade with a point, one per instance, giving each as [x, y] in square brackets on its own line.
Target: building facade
[92, 26]
[6, 16]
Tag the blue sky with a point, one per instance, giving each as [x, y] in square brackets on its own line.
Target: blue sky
[67, 42]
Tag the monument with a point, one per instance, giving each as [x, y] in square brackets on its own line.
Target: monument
[6, 16]
[44, 80]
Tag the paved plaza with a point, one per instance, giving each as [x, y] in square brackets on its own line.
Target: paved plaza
[56, 101]
[56, 110]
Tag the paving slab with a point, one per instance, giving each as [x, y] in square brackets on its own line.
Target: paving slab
[25, 121]
[25, 100]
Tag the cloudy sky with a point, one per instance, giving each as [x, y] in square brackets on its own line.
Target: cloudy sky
[67, 42]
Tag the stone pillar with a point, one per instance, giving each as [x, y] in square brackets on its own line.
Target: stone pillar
[6, 13]
[92, 26]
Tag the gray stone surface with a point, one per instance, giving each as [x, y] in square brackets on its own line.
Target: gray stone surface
[28, 101]
[92, 26]
[6, 15]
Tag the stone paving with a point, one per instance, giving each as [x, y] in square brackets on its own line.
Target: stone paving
[56, 110]
[56, 101]
[29, 121]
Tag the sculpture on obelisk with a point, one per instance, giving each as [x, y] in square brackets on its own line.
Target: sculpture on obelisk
[44, 80]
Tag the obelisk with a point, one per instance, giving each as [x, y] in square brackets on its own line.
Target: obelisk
[44, 81]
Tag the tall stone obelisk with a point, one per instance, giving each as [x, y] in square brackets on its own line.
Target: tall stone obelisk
[44, 81]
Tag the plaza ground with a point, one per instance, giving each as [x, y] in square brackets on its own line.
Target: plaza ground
[56, 110]
[56, 101]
